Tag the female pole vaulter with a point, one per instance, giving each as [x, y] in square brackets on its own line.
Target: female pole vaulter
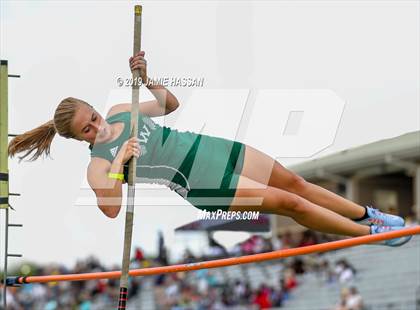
[210, 172]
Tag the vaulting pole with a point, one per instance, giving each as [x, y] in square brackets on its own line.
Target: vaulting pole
[129, 215]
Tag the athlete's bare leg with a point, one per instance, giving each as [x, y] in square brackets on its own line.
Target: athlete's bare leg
[263, 169]
[253, 196]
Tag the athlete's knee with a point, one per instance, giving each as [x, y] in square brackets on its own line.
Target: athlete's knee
[291, 204]
[296, 183]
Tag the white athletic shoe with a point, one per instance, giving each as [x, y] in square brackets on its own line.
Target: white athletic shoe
[390, 242]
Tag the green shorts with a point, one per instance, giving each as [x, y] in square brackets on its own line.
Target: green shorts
[202, 169]
[212, 199]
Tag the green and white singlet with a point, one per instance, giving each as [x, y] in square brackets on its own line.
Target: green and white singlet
[202, 169]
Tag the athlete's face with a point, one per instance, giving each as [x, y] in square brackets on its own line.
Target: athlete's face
[88, 125]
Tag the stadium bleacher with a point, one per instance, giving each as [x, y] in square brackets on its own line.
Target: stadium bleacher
[387, 278]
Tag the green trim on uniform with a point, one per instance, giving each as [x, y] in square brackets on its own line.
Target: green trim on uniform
[221, 198]
[202, 169]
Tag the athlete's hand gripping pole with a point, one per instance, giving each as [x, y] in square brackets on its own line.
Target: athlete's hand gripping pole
[129, 215]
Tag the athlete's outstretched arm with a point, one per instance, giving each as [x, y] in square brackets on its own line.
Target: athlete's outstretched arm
[109, 190]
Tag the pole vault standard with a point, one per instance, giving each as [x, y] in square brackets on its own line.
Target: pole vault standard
[4, 167]
[323, 247]
[129, 215]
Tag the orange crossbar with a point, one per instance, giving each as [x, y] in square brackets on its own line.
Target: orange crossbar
[323, 247]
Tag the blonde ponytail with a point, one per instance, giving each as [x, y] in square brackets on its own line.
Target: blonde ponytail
[40, 138]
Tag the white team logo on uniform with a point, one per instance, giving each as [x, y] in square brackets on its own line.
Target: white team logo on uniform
[114, 151]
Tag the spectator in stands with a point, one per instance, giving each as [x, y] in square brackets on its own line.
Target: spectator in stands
[12, 302]
[262, 297]
[258, 244]
[172, 290]
[343, 299]
[354, 300]
[350, 299]
[202, 283]
[284, 290]
[283, 241]
[93, 294]
[328, 272]
[85, 302]
[277, 298]
[239, 290]
[308, 238]
[138, 255]
[298, 265]
[345, 271]
[290, 279]
[247, 293]
[247, 247]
